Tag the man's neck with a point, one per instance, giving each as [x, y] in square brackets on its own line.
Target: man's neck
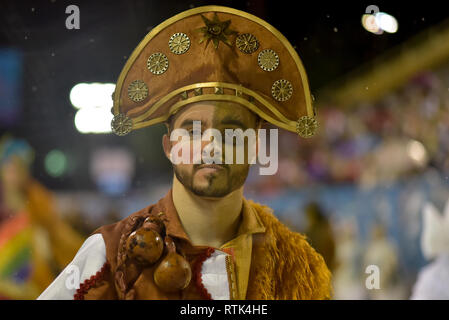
[208, 221]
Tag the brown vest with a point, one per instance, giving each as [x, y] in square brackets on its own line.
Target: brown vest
[283, 265]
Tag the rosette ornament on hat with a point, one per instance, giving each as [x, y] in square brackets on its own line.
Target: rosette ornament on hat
[214, 53]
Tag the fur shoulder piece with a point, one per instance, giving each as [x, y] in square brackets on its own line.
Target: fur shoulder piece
[284, 266]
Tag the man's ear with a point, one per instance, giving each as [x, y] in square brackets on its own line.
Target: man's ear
[166, 144]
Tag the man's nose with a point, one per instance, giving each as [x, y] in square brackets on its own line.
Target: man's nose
[216, 146]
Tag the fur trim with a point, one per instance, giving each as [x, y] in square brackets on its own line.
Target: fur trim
[284, 266]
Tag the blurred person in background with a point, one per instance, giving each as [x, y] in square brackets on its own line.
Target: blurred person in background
[433, 280]
[347, 274]
[319, 233]
[34, 242]
[381, 252]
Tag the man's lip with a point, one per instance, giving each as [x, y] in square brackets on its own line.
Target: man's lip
[212, 166]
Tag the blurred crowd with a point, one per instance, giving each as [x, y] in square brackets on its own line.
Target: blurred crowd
[371, 170]
[409, 127]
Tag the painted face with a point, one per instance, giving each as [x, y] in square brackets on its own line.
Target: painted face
[215, 180]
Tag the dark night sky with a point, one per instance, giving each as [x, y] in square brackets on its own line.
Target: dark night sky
[328, 36]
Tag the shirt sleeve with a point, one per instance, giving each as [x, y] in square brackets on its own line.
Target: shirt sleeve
[89, 259]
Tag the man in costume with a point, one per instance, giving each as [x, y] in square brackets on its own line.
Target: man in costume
[204, 240]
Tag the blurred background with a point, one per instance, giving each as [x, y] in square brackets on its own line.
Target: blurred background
[358, 189]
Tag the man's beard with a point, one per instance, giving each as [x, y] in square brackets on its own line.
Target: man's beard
[218, 185]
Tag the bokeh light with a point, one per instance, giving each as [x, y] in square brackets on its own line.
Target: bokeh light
[387, 22]
[93, 120]
[94, 101]
[55, 163]
[417, 152]
[379, 22]
[91, 95]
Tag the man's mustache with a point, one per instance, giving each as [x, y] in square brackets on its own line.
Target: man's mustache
[203, 164]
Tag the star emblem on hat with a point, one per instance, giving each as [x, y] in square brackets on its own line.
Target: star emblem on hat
[216, 31]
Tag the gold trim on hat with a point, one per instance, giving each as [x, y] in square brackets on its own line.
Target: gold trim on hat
[199, 86]
[214, 97]
[283, 122]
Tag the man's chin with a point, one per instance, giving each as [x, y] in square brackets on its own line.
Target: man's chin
[209, 191]
[203, 186]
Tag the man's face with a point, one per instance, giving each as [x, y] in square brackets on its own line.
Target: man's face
[217, 180]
